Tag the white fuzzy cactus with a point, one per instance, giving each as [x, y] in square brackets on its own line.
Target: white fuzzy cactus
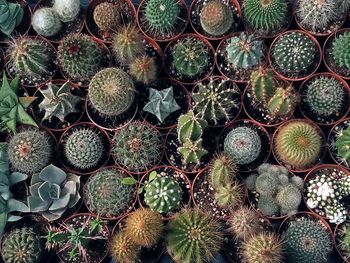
[46, 22]
[67, 10]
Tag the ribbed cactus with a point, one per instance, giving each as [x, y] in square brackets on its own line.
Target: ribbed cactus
[194, 237]
[229, 196]
[342, 145]
[298, 144]
[263, 85]
[123, 249]
[190, 126]
[325, 95]
[283, 102]
[344, 241]
[214, 100]
[192, 151]
[245, 51]
[45, 22]
[190, 56]
[216, 18]
[11, 15]
[144, 69]
[243, 144]
[106, 195]
[222, 170]
[340, 51]
[22, 245]
[106, 16]
[67, 10]
[80, 56]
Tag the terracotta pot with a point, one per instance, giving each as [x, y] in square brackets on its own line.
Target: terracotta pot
[171, 70]
[129, 16]
[307, 112]
[336, 242]
[145, 28]
[194, 12]
[307, 74]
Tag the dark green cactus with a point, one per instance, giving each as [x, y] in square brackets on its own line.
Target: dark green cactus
[263, 84]
[342, 145]
[11, 15]
[340, 51]
[190, 126]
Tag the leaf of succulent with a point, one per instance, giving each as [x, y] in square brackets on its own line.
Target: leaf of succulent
[11, 15]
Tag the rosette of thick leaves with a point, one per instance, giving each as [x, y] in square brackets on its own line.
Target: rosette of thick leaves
[11, 15]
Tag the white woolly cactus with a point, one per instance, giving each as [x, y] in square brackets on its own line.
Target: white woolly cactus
[45, 22]
[67, 10]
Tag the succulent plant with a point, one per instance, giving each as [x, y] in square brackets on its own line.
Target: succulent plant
[190, 126]
[268, 206]
[137, 146]
[263, 248]
[339, 51]
[123, 249]
[194, 236]
[289, 198]
[215, 100]
[283, 102]
[298, 144]
[263, 85]
[84, 148]
[266, 184]
[266, 17]
[161, 103]
[306, 240]
[111, 92]
[344, 241]
[144, 227]
[325, 95]
[13, 108]
[229, 196]
[58, 101]
[243, 144]
[11, 15]
[190, 56]
[245, 51]
[22, 245]
[106, 16]
[216, 18]
[67, 10]
[144, 69]
[45, 22]
[80, 56]
[106, 195]
[192, 151]
[342, 145]
[52, 192]
[30, 150]
[222, 170]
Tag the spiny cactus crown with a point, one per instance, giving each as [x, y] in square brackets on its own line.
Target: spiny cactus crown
[11, 15]
[342, 145]
[344, 242]
[340, 51]
[192, 151]
[144, 69]
[283, 102]
[123, 249]
[45, 22]
[263, 84]
[223, 169]
[67, 10]
[229, 196]
[106, 16]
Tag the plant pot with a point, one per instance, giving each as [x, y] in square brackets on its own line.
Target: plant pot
[331, 119]
[75, 26]
[338, 235]
[170, 68]
[128, 17]
[146, 29]
[296, 75]
[194, 18]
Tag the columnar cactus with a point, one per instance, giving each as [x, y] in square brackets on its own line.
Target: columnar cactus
[229, 196]
[215, 100]
[123, 249]
[67, 10]
[263, 84]
[191, 232]
[190, 126]
[222, 170]
[11, 15]
[144, 69]
[339, 51]
[45, 22]
[245, 51]
[106, 16]
[342, 145]
[283, 102]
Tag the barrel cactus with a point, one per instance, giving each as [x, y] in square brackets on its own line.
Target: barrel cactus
[192, 151]
[289, 198]
[111, 92]
[190, 126]
[67, 10]
[339, 51]
[263, 85]
[123, 249]
[144, 69]
[283, 102]
[107, 16]
[11, 15]
[342, 145]
[45, 22]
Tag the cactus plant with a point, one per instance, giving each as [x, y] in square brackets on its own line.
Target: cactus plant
[80, 56]
[298, 144]
[137, 146]
[58, 101]
[215, 100]
[106, 16]
[106, 195]
[245, 51]
[306, 240]
[216, 18]
[67, 10]
[192, 151]
[263, 84]
[339, 51]
[45, 22]
[243, 144]
[344, 240]
[30, 150]
[289, 198]
[283, 102]
[194, 236]
[222, 170]
[190, 126]
[229, 196]
[11, 15]
[111, 92]
[22, 245]
[144, 227]
[144, 69]
[267, 184]
[342, 145]
[268, 206]
[123, 249]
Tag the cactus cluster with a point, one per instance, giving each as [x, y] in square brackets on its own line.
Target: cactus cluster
[11, 15]
[342, 145]
[214, 100]
[339, 51]
[144, 69]
[46, 22]
[107, 16]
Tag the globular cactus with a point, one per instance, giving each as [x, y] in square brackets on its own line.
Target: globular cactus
[32, 57]
[283, 102]
[22, 245]
[342, 145]
[80, 56]
[111, 92]
[223, 169]
[263, 84]
[11, 15]
[137, 146]
[194, 237]
[123, 249]
[106, 195]
[266, 17]
[267, 205]
[344, 241]
[245, 51]
[325, 95]
[229, 196]
[340, 52]
[243, 144]
[163, 194]
[267, 184]
[144, 69]
[192, 151]
[67, 10]
[190, 126]
[190, 56]
[298, 144]
[84, 148]
[106, 16]
[215, 100]
[289, 198]
[250, 182]
[30, 150]
[306, 241]
[144, 227]
[45, 22]
[216, 18]
[263, 248]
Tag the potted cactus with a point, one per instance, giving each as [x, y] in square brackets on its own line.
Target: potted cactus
[342, 240]
[338, 143]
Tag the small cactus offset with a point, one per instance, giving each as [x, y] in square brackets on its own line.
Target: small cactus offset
[111, 92]
[123, 249]
[190, 126]
[342, 145]
[263, 84]
[216, 18]
[229, 196]
[67, 10]
[245, 51]
[106, 16]
[215, 100]
[223, 169]
[340, 51]
[192, 151]
[194, 237]
[11, 15]
[283, 102]
[144, 69]
[45, 22]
